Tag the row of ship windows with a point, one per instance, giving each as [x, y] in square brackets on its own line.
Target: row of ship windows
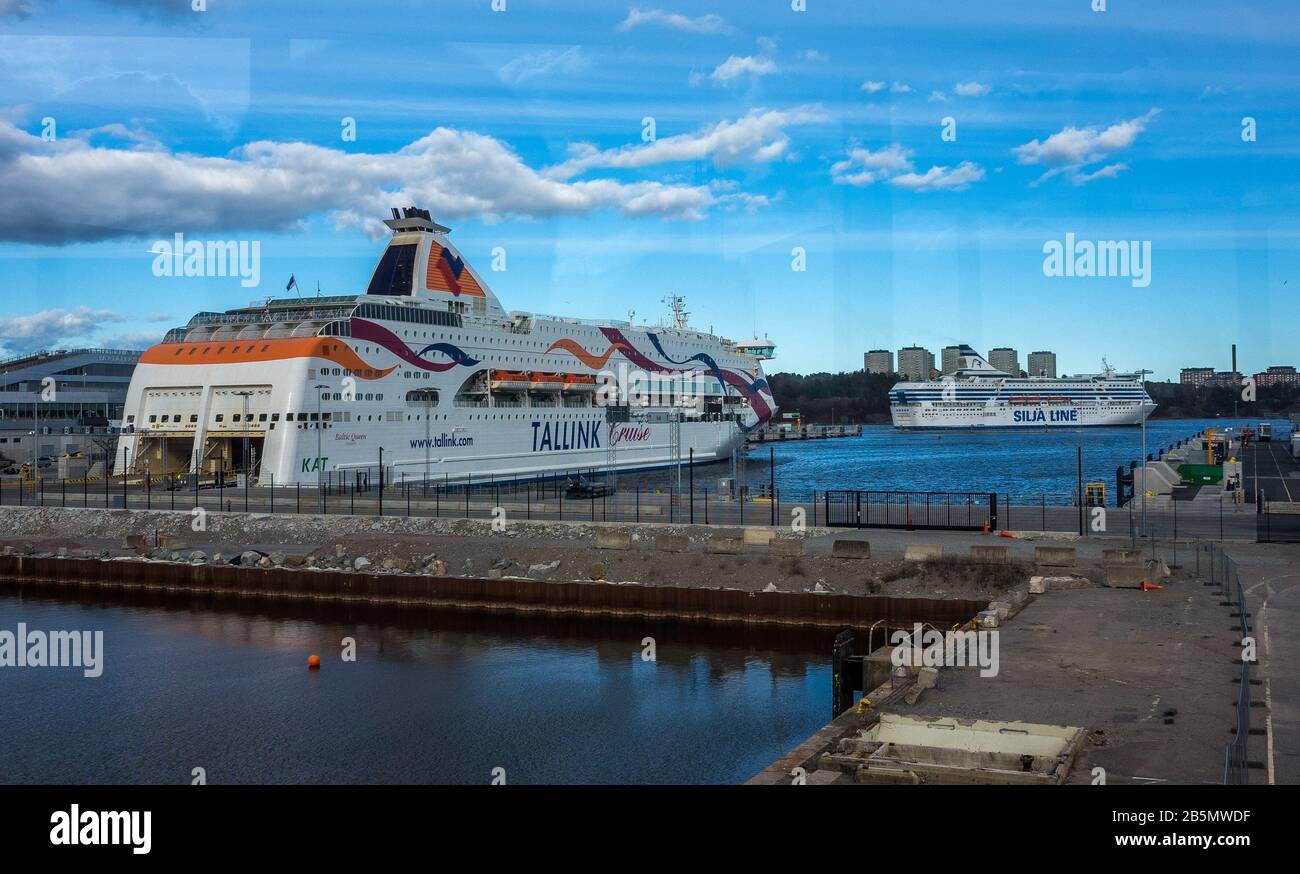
[313, 417]
[155, 418]
[484, 417]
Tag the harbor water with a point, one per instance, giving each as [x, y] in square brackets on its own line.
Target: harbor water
[1029, 463]
[431, 698]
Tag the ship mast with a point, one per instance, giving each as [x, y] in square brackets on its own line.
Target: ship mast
[677, 304]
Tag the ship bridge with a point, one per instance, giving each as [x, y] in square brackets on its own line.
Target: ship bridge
[763, 350]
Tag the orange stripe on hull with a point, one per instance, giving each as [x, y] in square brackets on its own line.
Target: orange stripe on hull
[595, 362]
[247, 352]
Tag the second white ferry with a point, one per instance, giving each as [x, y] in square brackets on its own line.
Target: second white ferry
[979, 395]
[426, 375]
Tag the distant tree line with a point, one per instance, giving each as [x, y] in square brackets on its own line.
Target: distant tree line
[858, 396]
[1179, 401]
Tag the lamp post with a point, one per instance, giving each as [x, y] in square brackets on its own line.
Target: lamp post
[1141, 374]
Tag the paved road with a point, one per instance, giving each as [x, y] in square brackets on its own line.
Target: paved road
[1269, 467]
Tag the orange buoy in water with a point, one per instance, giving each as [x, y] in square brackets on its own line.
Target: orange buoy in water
[313, 662]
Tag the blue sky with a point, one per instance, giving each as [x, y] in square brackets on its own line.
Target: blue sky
[773, 129]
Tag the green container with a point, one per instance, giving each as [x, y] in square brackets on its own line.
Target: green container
[1201, 474]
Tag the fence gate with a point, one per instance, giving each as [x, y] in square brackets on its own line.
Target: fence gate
[953, 511]
[843, 509]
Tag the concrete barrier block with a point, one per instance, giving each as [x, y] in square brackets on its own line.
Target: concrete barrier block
[987, 619]
[851, 549]
[725, 546]
[922, 552]
[990, 554]
[1056, 583]
[613, 540]
[1002, 608]
[1055, 556]
[787, 546]
[672, 543]
[758, 536]
[1124, 576]
[1131, 557]
[1037, 585]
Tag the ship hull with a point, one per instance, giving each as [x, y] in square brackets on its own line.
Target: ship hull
[300, 419]
[1004, 416]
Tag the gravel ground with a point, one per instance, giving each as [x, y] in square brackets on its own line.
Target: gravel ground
[542, 550]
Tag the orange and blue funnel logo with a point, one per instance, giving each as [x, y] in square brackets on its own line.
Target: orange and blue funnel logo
[447, 273]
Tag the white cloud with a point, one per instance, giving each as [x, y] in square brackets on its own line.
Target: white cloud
[813, 55]
[130, 340]
[739, 65]
[276, 186]
[50, 328]
[939, 178]
[1071, 149]
[15, 8]
[863, 166]
[703, 24]
[971, 89]
[1110, 171]
[758, 137]
[544, 63]
[938, 97]
[873, 87]
[893, 164]
[900, 88]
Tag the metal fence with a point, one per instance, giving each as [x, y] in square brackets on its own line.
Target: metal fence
[541, 500]
[1225, 577]
[610, 501]
[1272, 526]
[959, 511]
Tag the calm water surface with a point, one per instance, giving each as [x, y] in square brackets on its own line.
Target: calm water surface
[1025, 462]
[431, 699]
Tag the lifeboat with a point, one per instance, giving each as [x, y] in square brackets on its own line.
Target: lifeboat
[527, 380]
[1036, 400]
[581, 382]
[510, 380]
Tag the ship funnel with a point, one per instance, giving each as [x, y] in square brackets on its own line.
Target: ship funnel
[411, 218]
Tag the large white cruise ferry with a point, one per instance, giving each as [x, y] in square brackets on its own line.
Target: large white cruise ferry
[427, 375]
[979, 395]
